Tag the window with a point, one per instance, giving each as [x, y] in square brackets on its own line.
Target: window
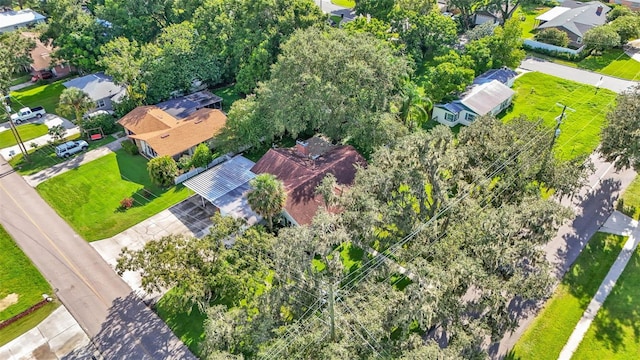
[449, 117]
[100, 103]
[469, 117]
[579, 40]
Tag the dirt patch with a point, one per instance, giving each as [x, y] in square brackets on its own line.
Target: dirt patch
[8, 301]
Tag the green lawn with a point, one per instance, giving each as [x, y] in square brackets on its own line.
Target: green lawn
[615, 332]
[229, 95]
[26, 131]
[188, 326]
[629, 202]
[612, 62]
[45, 157]
[19, 276]
[88, 198]
[38, 95]
[547, 335]
[529, 22]
[20, 79]
[344, 3]
[537, 95]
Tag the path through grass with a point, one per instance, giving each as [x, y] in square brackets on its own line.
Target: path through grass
[88, 197]
[537, 95]
[27, 132]
[19, 276]
[549, 332]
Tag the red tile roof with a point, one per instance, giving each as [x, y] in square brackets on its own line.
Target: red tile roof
[301, 175]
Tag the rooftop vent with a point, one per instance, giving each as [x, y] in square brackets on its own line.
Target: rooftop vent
[164, 136]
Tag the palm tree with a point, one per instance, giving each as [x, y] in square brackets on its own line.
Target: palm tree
[413, 109]
[75, 102]
[267, 197]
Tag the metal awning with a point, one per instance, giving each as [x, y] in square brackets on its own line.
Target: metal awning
[220, 180]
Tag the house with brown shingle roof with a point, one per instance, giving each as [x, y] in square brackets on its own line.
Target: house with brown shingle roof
[157, 133]
[41, 60]
[303, 167]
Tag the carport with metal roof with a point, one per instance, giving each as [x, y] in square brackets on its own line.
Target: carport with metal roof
[224, 187]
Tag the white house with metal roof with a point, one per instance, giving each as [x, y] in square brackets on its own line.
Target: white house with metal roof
[14, 20]
[489, 95]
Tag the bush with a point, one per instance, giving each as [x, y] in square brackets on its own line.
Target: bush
[201, 157]
[162, 170]
[557, 54]
[126, 203]
[184, 162]
[104, 121]
[57, 133]
[553, 36]
[130, 147]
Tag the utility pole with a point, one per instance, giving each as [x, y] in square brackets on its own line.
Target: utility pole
[14, 130]
[332, 313]
[559, 119]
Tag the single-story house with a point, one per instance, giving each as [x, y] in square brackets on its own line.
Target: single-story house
[634, 5]
[13, 20]
[158, 133]
[184, 106]
[490, 93]
[100, 89]
[574, 18]
[484, 16]
[488, 98]
[303, 167]
[41, 59]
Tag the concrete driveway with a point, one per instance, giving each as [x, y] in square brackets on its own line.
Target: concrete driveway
[577, 75]
[50, 120]
[329, 8]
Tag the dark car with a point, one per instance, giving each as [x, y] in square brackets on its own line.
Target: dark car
[42, 75]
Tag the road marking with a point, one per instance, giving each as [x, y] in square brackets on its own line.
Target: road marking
[603, 175]
[56, 248]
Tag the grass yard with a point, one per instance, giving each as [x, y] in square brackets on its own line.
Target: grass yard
[615, 332]
[45, 157]
[254, 154]
[188, 326]
[26, 131]
[549, 332]
[537, 95]
[18, 276]
[612, 62]
[529, 14]
[344, 3]
[20, 79]
[38, 95]
[229, 95]
[88, 198]
[629, 202]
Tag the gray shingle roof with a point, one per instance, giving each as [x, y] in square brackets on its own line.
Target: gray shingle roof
[580, 19]
[97, 86]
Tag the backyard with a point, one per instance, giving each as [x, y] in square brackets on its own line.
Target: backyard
[27, 132]
[88, 197]
[549, 332]
[537, 95]
[21, 286]
[45, 157]
[529, 14]
[46, 95]
[612, 62]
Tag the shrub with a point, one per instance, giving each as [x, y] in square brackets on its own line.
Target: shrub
[202, 156]
[184, 162]
[104, 121]
[617, 12]
[57, 133]
[130, 147]
[553, 36]
[126, 203]
[162, 170]
[557, 54]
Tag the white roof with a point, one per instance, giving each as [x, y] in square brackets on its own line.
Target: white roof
[482, 99]
[553, 13]
[13, 18]
[220, 180]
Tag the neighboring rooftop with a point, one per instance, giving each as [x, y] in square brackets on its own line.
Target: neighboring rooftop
[97, 86]
[485, 97]
[180, 135]
[575, 17]
[504, 75]
[9, 19]
[145, 119]
[301, 175]
[184, 106]
[41, 54]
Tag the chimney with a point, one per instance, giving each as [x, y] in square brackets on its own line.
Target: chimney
[302, 147]
[599, 10]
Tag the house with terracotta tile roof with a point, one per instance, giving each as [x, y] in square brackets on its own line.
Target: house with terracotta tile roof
[41, 60]
[158, 133]
[303, 167]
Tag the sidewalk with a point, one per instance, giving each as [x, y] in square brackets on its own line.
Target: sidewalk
[21, 86]
[633, 49]
[46, 174]
[54, 338]
[620, 224]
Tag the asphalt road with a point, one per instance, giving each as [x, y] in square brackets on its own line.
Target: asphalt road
[578, 75]
[120, 325]
[592, 206]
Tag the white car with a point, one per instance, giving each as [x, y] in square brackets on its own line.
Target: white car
[71, 147]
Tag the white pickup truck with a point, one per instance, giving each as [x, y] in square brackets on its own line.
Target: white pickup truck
[27, 113]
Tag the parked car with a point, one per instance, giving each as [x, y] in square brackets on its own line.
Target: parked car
[71, 147]
[42, 75]
[98, 113]
[28, 113]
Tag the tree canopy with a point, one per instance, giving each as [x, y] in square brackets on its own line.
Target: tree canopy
[14, 56]
[621, 135]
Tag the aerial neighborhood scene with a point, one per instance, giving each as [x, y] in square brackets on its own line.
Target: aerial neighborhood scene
[319, 179]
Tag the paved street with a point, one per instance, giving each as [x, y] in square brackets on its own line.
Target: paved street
[120, 325]
[329, 8]
[592, 206]
[578, 75]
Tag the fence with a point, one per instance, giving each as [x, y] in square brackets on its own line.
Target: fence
[188, 175]
[23, 314]
[540, 45]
